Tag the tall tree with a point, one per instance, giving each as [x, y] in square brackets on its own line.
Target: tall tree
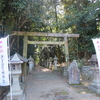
[15, 13]
[81, 16]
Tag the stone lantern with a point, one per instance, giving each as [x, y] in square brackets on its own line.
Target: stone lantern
[55, 62]
[31, 64]
[93, 61]
[17, 92]
[95, 85]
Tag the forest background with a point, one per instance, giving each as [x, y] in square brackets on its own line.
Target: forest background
[54, 16]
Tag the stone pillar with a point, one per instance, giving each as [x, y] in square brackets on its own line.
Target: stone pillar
[47, 66]
[55, 63]
[45, 63]
[31, 64]
[65, 71]
[17, 92]
[50, 63]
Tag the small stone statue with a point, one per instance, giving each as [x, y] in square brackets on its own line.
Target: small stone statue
[31, 64]
[55, 62]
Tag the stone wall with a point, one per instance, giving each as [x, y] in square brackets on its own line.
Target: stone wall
[87, 73]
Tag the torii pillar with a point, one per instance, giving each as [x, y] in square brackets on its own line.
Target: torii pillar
[66, 55]
[24, 69]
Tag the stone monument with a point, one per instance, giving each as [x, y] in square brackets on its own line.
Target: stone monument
[95, 85]
[73, 73]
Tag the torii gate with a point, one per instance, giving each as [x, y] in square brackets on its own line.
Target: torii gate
[42, 34]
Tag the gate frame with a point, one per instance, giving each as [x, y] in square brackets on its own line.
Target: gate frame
[65, 37]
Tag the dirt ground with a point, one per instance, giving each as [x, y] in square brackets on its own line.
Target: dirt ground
[44, 84]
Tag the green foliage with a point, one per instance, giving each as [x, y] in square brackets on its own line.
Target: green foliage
[97, 36]
[21, 12]
[80, 63]
[78, 16]
[2, 5]
[73, 48]
[81, 17]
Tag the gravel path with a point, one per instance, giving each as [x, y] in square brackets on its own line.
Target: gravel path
[44, 84]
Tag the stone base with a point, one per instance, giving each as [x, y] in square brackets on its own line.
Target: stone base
[94, 87]
[16, 96]
[74, 82]
[65, 73]
[55, 70]
[30, 71]
[23, 98]
[50, 68]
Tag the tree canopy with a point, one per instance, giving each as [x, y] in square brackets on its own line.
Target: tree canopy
[66, 16]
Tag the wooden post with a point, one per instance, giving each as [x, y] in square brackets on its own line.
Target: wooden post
[25, 46]
[41, 34]
[45, 42]
[66, 52]
[24, 69]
